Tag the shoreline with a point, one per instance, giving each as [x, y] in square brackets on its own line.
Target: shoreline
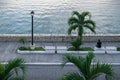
[60, 37]
[62, 34]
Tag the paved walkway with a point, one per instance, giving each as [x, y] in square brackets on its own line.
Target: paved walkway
[8, 51]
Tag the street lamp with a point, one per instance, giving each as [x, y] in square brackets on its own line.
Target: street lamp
[32, 14]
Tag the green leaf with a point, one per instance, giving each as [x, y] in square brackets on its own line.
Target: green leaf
[99, 69]
[73, 20]
[72, 27]
[90, 22]
[88, 71]
[72, 76]
[90, 28]
[14, 67]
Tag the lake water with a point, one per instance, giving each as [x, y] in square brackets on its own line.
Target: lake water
[51, 16]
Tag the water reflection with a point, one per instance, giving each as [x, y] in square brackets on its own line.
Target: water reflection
[51, 15]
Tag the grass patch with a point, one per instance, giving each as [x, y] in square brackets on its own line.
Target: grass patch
[28, 48]
[118, 49]
[81, 49]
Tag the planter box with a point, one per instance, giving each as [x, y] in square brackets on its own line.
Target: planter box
[107, 50]
[34, 52]
[64, 52]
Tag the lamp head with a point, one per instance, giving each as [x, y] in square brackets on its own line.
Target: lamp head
[32, 13]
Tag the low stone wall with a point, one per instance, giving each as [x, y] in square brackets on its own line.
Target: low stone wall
[54, 71]
[59, 38]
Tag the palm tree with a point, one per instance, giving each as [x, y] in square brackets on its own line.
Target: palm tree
[80, 21]
[13, 70]
[87, 71]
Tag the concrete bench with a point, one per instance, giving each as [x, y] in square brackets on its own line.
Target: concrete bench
[113, 52]
[71, 52]
[49, 48]
[61, 48]
[107, 49]
[111, 48]
[99, 49]
[80, 52]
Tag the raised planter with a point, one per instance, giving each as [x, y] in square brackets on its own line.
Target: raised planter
[61, 52]
[50, 52]
[28, 52]
[34, 52]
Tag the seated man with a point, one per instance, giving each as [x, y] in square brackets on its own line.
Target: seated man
[99, 44]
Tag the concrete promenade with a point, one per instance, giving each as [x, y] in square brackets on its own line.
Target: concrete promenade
[8, 51]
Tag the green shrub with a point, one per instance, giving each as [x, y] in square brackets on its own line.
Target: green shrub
[22, 40]
[81, 49]
[76, 44]
[118, 49]
[24, 48]
[28, 48]
[39, 48]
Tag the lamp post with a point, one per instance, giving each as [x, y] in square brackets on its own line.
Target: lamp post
[32, 14]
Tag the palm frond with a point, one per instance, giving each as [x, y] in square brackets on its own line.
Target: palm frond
[87, 64]
[77, 61]
[73, 20]
[72, 76]
[90, 28]
[84, 16]
[72, 27]
[90, 22]
[86, 13]
[69, 58]
[13, 65]
[8, 76]
[1, 68]
[13, 76]
[1, 71]
[75, 13]
[90, 72]
[98, 69]
[16, 78]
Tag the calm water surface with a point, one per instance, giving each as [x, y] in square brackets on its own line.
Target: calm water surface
[51, 15]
